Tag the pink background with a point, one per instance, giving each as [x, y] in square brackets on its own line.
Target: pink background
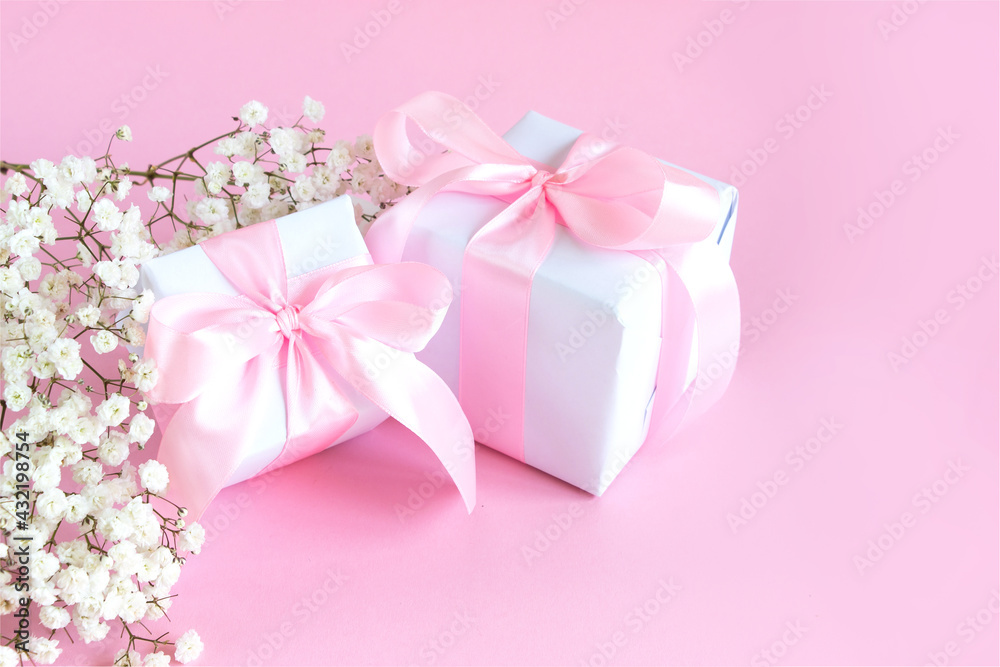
[274, 540]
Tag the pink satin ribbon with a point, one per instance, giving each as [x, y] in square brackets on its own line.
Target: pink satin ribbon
[607, 196]
[353, 320]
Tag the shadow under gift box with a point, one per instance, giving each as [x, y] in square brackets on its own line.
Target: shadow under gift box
[317, 237]
[594, 322]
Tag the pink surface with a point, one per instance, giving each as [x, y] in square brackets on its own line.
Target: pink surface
[315, 565]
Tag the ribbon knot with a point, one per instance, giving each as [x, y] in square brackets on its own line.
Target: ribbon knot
[288, 320]
[540, 178]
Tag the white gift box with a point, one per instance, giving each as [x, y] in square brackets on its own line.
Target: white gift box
[311, 239]
[593, 344]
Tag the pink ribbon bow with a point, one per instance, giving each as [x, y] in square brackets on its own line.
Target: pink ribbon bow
[607, 196]
[352, 323]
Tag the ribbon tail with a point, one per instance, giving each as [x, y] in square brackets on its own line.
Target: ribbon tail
[702, 318]
[203, 444]
[418, 399]
[316, 412]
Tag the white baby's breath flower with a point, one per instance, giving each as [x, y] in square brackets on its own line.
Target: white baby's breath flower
[91, 629]
[124, 133]
[122, 188]
[140, 429]
[293, 163]
[23, 243]
[77, 507]
[44, 651]
[285, 141]
[156, 659]
[191, 538]
[16, 184]
[257, 194]
[158, 193]
[16, 395]
[303, 189]
[52, 504]
[126, 658]
[88, 314]
[142, 305]
[340, 156]
[188, 647]
[54, 618]
[106, 215]
[104, 341]
[211, 210]
[313, 109]
[364, 147]
[64, 354]
[253, 113]
[109, 272]
[113, 449]
[153, 476]
[73, 584]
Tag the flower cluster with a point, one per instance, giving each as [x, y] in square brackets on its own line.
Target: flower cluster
[89, 539]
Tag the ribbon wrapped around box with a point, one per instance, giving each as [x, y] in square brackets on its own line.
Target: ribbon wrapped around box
[278, 340]
[597, 309]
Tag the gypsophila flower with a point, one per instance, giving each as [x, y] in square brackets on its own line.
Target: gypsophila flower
[124, 133]
[113, 410]
[15, 185]
[158, 194]
[253, 113]
[364, 147]
[313, 110]
[54, 618]
[140, 429]
[192, 538]
[44, 651]
[106, 215]
[156, 659]
[104, 341]
[153, 476]
[188, 647]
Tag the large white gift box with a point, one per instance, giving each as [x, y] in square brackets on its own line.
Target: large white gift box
[593, 333]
